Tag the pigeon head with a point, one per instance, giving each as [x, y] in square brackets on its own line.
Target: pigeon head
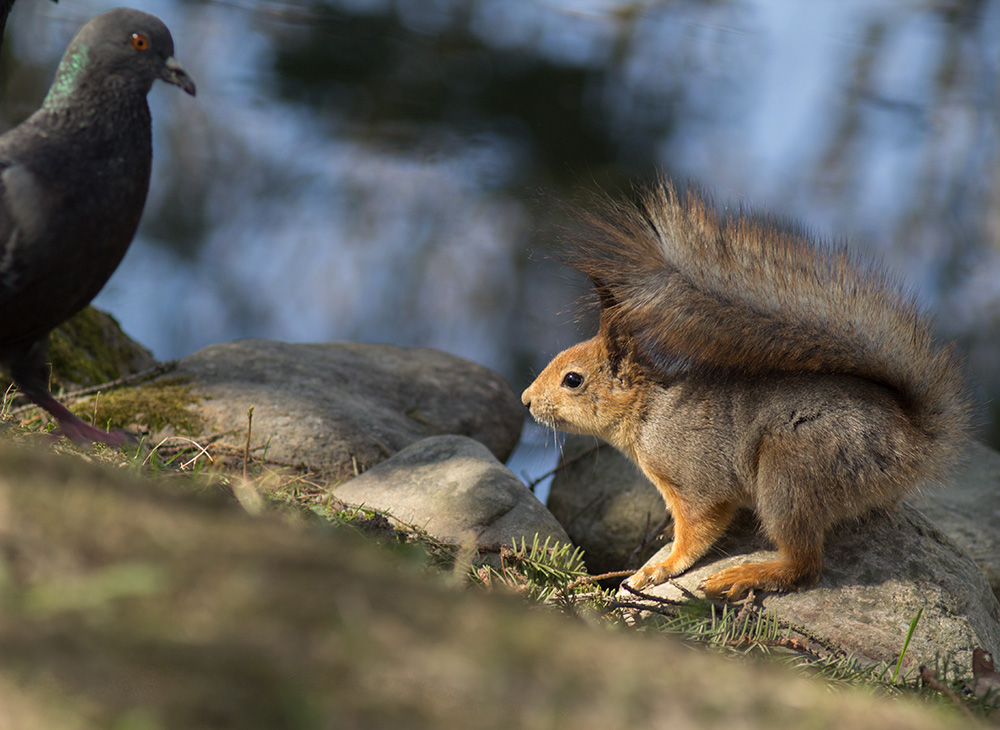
[121, 52]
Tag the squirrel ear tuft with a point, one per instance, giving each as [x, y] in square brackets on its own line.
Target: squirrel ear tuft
[616, 340]
[605, 296]
[609, 331]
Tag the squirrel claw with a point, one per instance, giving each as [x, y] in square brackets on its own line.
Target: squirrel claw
[734, 583]
[726, 588]
[649, 576]
[637, 581]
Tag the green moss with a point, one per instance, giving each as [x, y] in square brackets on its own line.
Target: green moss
[155, 406]
[91, 348]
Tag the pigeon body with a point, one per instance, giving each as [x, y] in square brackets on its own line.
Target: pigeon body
[73, 182]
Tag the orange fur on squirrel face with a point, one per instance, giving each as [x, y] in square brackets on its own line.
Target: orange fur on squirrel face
[740, 364]
[578, 370]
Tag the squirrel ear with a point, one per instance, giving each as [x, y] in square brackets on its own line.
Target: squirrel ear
[624, 368]
[610, 331]
[629, 372]
[616, 342]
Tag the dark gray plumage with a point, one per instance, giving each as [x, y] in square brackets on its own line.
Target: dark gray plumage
[5, 7]
[73, 182]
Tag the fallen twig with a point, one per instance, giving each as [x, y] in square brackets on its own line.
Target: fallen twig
[132, 379]
[562, 463]
[594, 578]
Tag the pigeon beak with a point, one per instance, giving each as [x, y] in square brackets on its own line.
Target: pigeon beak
[173, 73]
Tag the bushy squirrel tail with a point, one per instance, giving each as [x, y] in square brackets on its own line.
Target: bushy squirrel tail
[680, 282]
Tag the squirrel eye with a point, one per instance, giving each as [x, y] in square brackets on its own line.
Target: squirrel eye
[140, 42]
[572, 380]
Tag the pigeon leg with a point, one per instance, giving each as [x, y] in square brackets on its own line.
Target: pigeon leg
[69, 425]
[26, 364]
[72, 427]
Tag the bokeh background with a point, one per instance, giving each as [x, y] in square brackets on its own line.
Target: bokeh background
[396, 170]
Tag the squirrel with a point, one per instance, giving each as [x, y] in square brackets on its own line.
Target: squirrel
[740, 363]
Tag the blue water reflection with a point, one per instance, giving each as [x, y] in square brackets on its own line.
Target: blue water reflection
[371, 170]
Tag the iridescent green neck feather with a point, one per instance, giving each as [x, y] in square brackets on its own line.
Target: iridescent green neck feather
[69, 71]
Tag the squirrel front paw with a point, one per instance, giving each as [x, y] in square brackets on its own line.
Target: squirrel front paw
[685, 552]
[656, 573]
[650, 575]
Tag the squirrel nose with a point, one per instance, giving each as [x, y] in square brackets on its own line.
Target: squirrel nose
[526, 399]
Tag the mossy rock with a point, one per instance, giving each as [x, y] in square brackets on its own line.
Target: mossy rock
[158, 406]
[90, 349]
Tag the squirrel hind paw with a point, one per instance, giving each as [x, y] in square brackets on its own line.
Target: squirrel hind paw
[734, 583]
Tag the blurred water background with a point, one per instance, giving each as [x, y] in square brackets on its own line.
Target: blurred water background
[395, 170]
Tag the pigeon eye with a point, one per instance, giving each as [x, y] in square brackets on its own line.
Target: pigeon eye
[140, 42]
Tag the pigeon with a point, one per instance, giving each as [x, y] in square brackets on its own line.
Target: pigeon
[73, 182]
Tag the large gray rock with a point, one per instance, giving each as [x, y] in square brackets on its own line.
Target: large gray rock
[336, 408]
[606, 505]
[876, 576]
[967, 508]
[454, 488]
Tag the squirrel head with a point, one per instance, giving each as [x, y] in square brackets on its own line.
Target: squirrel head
[584, 390]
